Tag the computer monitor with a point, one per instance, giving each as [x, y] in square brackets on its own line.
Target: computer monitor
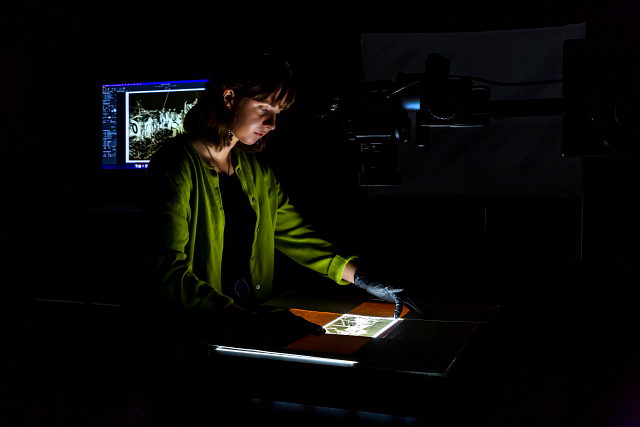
[137, 118]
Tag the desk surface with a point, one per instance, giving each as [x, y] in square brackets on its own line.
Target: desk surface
[421, 346]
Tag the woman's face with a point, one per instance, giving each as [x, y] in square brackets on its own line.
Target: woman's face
[254, 119]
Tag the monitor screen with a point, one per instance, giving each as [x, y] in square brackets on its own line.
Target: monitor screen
[137, 118]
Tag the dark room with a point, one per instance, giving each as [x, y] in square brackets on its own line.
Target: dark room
[442, 229]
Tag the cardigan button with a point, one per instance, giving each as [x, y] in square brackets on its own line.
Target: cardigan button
[239, 170]
[257, 286]
[253, 199]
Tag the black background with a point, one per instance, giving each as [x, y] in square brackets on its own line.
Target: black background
[565, 347]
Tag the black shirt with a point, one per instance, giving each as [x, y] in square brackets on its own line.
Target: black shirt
[240, 221]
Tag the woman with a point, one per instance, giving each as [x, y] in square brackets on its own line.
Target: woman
[217, 213]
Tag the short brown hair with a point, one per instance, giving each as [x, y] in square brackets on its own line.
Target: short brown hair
[267, 78]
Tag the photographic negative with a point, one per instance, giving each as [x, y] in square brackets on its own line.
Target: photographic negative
[361, 326]
[155, 117]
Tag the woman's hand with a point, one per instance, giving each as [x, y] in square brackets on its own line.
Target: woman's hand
[238, 319]
[386, 293]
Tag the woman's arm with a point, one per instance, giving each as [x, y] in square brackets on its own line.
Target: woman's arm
[349, 272]
[299, 241]
[171, 259]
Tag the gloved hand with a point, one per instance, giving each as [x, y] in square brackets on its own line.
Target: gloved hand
[386, 293]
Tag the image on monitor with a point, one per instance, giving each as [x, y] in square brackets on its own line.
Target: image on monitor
[137, 118]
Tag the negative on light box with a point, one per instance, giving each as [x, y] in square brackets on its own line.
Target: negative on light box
[360, 326]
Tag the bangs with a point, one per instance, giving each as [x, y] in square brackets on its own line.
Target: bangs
[282, 96]
[269, 80]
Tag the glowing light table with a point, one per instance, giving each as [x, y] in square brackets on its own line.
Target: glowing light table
[367, 336]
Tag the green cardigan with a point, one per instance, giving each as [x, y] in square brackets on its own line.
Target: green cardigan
[184, 213]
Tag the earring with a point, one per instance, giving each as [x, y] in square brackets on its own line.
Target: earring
[229, 134]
